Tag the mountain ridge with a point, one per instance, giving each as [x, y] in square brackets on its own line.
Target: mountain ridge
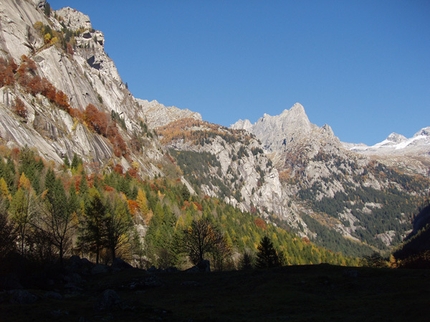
[282, 168]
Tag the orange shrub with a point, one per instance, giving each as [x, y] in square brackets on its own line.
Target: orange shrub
[7, 70]
[96, 119]
[118, 169]
[260, 223]
[62, 100]
[19, 108]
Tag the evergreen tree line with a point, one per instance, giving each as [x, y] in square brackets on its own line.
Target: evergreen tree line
[48, 214]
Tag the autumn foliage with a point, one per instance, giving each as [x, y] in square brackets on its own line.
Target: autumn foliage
[260, 223]
[198, 132]
[7, 70]
[100, 123]
[19, 108]
[26, 76]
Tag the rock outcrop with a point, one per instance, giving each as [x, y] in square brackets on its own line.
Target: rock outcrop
[159, 115]
[70, 55]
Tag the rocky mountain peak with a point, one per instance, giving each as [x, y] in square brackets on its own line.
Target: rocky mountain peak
[395, 137]
[290, 128]
[242, 125]
[74, 20]
[423, 132]
[158, 115]
[296, 109]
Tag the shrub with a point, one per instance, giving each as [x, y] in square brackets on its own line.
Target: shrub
[19, 108]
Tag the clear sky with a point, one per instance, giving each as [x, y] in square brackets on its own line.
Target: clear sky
[361, 66]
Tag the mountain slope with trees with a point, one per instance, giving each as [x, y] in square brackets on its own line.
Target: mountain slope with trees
[62, 96]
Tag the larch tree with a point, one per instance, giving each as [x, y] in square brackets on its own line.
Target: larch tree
[7, 235]
[23, 208]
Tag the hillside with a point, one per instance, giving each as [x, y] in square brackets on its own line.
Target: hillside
[301, 177]
[63, 99]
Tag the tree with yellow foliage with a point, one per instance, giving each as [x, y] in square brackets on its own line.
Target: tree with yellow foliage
[23, 208]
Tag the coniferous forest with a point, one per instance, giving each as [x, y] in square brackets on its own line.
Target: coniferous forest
[50, 213]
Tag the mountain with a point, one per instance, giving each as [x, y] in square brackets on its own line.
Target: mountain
[159, 115]
[397, 144]
[58, 68]
[410, 154]
[62, 96]
[340, 192]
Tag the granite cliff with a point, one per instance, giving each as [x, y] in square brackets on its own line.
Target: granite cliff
[62, 95]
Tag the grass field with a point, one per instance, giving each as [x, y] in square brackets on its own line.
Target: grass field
[294, 293]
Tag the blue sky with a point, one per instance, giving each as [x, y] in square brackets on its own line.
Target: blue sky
[361, 66]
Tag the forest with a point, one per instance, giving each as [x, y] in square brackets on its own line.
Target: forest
[49, 213]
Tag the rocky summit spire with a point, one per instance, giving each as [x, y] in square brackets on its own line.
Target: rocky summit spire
[276, 132]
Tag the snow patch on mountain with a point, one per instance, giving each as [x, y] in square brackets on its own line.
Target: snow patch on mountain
[396, 143]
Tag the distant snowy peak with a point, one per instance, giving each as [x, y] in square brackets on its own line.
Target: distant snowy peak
[398, 144]
[425, 132]
[396, 138]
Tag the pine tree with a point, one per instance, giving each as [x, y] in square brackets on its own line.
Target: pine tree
[142, 202]
[75, 162]
[246, 261]
[267, 256]
[66, 162]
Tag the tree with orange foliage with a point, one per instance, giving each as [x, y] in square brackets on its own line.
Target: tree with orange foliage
[96, 119]
[7, 70]
[62, 100]
[35, 85]
[74, 112]
[260, 223]
[19, 108]
[48, 90]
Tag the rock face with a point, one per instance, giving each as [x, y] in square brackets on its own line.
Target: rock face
[82, 71]
[329, 182]
[282, 167]
[289, 131]
[159, 115]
